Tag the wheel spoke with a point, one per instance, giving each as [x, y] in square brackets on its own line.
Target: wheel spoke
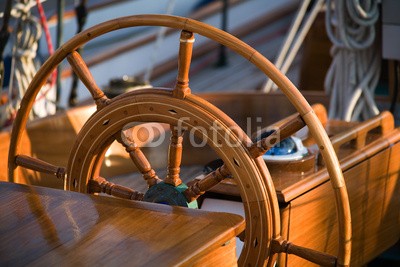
[82, 71]
[283, 129]
[320, 258]
[198, 188]
[101, 185]
[185, 57]
[40, 166]
[174, 157]
[139, 159]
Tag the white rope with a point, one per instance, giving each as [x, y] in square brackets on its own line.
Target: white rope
[15, 12]
[354, 73]
[293, 40]
[268, 86]
[24, 65]
[355, 69]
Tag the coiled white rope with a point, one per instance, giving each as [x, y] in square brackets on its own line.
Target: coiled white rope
[354, 73]
[24, 66]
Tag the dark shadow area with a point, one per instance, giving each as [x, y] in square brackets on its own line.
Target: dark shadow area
[391, 257]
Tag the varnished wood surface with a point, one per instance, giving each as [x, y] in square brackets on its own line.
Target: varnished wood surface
[48, 139]
[61, 130]
[374, 199]
[290, 187]
[49, 227]
[156, 105]
[372, 174]
[261, 192]
[371, 168]
[333, 128]
[82, 71]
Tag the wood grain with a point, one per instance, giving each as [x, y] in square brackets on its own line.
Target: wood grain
[155, 105]
[62, 128]
[40, 166]
[67, 228]
[84, 74]
[101, 185]
[139, 159]
[375, 210]
[262, 188]
[184, 58]
[174, 157]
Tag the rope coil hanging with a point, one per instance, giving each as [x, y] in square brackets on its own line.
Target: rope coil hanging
[354, 73]
[24, 65]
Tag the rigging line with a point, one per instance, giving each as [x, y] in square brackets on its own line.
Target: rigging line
[288, 41]
[26, 36]
[46, 100]
[29, 5]
[301, 36]
[366, 77]
[60, 33]
[81, 12]
[49, 42]
[24, 64]
[4, 36]
[297, 42]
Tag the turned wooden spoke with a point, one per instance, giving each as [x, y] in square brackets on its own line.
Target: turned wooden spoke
[101, 185]
[40, 166]
[198, 188]
[263, 222]
[174, 157]
[282, 130]
[82, 71]
[140, 160]
[185, 56]
[320, 258]
[288, 127]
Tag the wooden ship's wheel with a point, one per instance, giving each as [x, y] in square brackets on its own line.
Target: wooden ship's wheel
[242, 158]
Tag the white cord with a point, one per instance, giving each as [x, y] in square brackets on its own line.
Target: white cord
[24, 66]
[14, 12]
[354, 73]
[288, 42]
[295, 40]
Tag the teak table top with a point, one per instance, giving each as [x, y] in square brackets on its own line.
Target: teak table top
[48, 226]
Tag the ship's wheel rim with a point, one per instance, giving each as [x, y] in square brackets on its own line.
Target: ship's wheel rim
[287, 87]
